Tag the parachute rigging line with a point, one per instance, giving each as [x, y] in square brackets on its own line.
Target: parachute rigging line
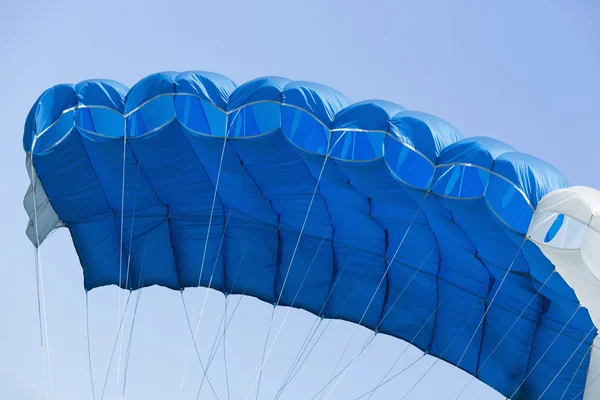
[417, 360]
[115, 345]
[320, 319]
[492, 301]
[568, 360]
[288, 272]
[87, 326]
[128, 352]
[383, 382]
[478, 325]
[303, 347]
[214, 349]
[433, 313]
[372, 336]
[545, 352]
[225, 350]
[418, 332]
[206, 294]
[586, 386]
[121, 253]
[40, 291]
[505, 335]
[212, 209]
[128, 262]
[195, 345]
[187, 362]
[437, 359]
[577, 370]
[262, 362]
[141, 279]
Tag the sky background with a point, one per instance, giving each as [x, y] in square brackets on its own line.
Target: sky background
[522, 72]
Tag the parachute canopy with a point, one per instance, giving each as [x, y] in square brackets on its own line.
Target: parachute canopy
[366, 212]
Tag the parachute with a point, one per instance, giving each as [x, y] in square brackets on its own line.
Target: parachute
[285, 191]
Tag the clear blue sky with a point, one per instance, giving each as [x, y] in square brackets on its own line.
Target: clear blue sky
[522, 72]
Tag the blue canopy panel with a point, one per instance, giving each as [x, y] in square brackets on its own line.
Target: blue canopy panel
[284, 191]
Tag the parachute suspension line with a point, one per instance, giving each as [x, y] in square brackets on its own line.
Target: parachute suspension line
[121, 251]
[577, 370]
[320, 319]
[417, 360]
[569, 359]
[491, 302]
[505, 335]
[406, 286]
[545, 352]
[316, 342]
[115, 346]
[217, 344]
[89, 349]
[295, 373]
[211, 353]
[303, 347]
[212, 210]
[141, 280]
[42, 321]
[195, 345]
[370, 339]
[586, 386]
[127, 277]
[45, 319]
[333, 376]
[214, 200]
[40, 288]
[438, 358]
[128, 351]
[36, 253]
[137, 181]
[189, 353]
[262, 363]
[383, 382]
[342, 371]
[389, 371]
[209, 285]
[302, 284]
[312, 199]
[225, 350]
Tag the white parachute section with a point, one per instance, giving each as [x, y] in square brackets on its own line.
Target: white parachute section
[566, 227]
[38, 208]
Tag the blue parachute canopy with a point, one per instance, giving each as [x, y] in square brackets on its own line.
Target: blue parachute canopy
[286, 191]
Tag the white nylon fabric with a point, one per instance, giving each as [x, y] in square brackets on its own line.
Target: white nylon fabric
[574, 249]
[40, 208]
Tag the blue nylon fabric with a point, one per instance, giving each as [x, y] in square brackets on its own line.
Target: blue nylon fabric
[260, 89]
[218, 182]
